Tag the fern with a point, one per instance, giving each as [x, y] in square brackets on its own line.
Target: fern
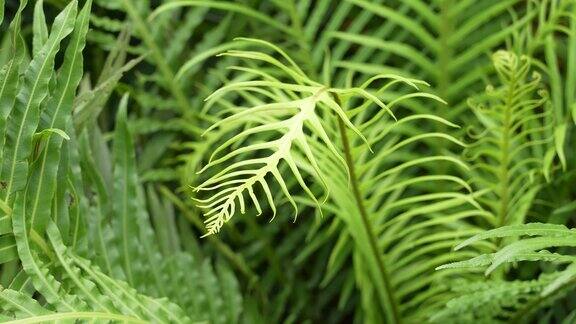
[444, 200]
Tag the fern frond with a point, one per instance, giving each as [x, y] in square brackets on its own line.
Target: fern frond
[515, 149]
[532, 244]
[295, 114]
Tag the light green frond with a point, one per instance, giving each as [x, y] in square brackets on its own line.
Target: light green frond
[514, 117]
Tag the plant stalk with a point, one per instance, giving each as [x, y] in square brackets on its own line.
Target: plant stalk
[392, 306]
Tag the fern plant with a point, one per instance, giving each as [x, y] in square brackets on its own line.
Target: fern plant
[391, 187]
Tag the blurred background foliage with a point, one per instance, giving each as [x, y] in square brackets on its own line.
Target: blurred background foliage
[158, 60]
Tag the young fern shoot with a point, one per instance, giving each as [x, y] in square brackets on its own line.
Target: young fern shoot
[515, 150]
[292, 107]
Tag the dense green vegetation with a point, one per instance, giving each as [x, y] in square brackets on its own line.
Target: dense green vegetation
[288, 161]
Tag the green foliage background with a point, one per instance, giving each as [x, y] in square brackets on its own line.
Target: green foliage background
[286, 161]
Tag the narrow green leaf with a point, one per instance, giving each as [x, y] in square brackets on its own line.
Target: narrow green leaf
[39, 28]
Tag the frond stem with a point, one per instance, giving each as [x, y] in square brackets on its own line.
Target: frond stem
[392, 306]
